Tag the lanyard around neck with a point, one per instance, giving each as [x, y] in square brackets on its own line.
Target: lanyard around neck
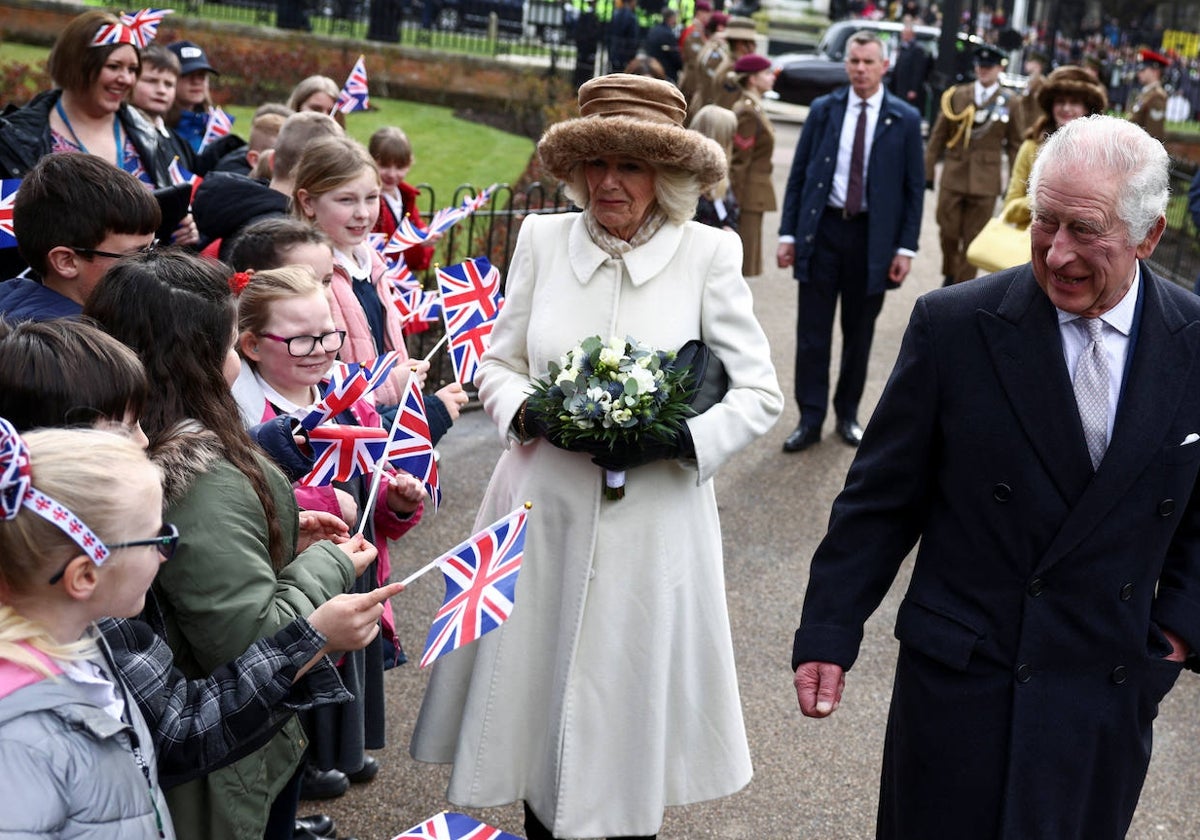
[116, 123]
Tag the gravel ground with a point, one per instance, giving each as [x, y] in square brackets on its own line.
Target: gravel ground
[813, 779]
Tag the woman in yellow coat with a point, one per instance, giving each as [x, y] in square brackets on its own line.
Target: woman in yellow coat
[750, 168]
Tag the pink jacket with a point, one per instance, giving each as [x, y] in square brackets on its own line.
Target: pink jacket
[360, 344]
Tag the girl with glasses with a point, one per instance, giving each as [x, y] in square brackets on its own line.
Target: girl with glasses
[288, 342]
[243, 568]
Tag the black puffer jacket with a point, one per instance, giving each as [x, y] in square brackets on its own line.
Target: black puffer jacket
[25, 139]
[225, 203]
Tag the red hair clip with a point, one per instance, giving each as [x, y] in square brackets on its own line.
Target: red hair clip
[239, 280]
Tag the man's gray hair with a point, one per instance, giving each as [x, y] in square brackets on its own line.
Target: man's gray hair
[867, 36]
[1101, 146]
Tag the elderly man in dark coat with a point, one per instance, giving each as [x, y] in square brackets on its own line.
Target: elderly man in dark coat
[1040, 435]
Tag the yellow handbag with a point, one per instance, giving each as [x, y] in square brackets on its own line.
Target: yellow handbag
[998, 246]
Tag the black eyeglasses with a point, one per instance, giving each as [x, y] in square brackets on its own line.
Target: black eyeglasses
[167, 541]
[92, 252]
[302, 345]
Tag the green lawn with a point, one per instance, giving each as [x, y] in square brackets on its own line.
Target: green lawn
[449, 152]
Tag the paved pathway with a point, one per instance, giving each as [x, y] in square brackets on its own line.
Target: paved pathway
[813, 779]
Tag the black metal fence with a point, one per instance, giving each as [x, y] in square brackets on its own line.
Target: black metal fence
[539, 30]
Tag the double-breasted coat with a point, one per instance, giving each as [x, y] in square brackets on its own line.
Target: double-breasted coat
[1031, 659]
[972, 177]
[611, 691]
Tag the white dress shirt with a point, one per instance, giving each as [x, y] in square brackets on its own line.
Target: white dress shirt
[1118, 322]
[841, 172]
[983, 94]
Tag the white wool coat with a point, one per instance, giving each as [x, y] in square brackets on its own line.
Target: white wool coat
[611, 691]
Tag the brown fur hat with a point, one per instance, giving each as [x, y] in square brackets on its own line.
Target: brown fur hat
[635, 116]
[1070, 80]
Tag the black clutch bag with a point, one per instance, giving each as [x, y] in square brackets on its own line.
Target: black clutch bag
[708, 380]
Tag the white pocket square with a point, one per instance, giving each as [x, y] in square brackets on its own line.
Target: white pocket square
[1191, 438]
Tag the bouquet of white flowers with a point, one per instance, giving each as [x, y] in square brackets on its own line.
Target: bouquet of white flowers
[615, 395]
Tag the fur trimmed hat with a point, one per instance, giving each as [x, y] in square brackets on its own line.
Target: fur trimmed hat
[1076, 82]
[635, 116]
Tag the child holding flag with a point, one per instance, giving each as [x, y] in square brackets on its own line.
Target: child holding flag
[281, 376]
[244, 567]
[336, 189]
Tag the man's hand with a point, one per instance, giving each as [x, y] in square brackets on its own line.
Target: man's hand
[899, 268]
[819, 687]
[785, 254]
[1180, 649]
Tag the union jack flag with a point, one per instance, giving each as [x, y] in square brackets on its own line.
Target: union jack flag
[374, 371]
[343, 452]
[354, 96]
[8, 196]
[338, 397]
[179, 175]
[377, 241]
[114, 33]
[470, 302]
[470, 292]
[219, 125]
[449, 826]
[411, 446]
[401, 276]
[144, 24]
[481, 583]
[406, 235]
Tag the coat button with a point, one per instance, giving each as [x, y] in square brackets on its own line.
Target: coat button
[1118, 675]
[1001, 492]
[1166, 507]
[1024, 672]
[1036, 587]
[1127, 592]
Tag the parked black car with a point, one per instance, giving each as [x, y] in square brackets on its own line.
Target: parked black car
[802, 77]
[472, 15]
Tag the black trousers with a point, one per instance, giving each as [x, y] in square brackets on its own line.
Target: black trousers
[534, 830]
[837, 269]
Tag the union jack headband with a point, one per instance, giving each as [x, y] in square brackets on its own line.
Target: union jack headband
[137, 29]
[17, 491]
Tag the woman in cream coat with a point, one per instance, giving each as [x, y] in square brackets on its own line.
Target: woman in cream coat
[611, 691]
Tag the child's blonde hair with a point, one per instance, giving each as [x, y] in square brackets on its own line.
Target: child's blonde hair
[271, 286]
[719, 124]
[67, 465]
[326, 165]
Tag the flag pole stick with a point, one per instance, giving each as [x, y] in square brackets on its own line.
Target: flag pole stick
[426, 568]
[377, 477]
[436, 347]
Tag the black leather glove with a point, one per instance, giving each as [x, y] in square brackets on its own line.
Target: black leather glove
[530, 423]
[646, 451]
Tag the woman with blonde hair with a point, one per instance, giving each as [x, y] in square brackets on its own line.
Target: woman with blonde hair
[718, 206]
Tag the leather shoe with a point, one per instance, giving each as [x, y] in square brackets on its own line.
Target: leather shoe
[850, 432]
[316, 825]
[802, 438]
[366, 773]
[322, 784]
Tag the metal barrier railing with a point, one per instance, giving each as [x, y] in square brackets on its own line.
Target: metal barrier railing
[1177, 257]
